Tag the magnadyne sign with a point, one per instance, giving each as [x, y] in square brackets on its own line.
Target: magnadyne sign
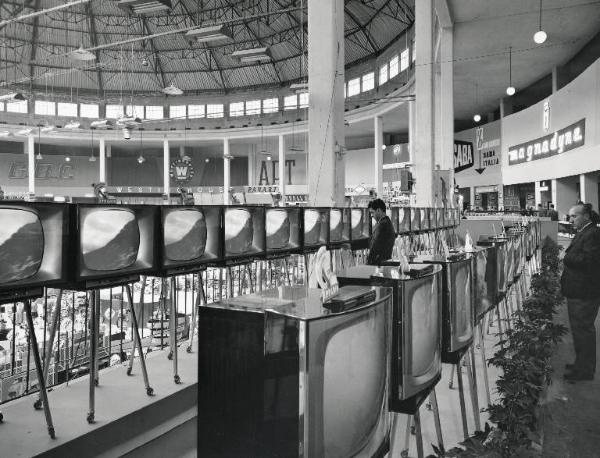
[559, 142]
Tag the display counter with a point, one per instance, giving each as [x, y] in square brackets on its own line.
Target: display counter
[282, 375]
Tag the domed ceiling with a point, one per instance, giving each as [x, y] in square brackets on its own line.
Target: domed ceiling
[110, 49]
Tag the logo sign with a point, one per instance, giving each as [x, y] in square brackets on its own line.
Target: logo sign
[546, 116]
[463, 155]
[479, 138]
[181, 170]
[559, 142]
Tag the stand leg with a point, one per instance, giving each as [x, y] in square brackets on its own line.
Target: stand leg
[473, 387]
[417, 418]
[197, 303]
[436, 418]
[405, 450]
[97, 323]
[149, 390]
[461, 397]
[486, 380]
[394, 434]
[451, 379]
[161, 300]
[53, 326]
[92, 362]
[39, 370]
[173, 330]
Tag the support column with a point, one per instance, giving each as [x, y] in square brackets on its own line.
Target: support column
[226, 172]
[553, 194]
[326, 168]
[378, 176]
[566, 194]
[166, 167]
[554, 79]
[588, 186]
[538, 194]
[412, 134]
[31, 166]
[472, 196]
[102, 160]
[424, 141]
[282, 170]
[445, 150]
[251, 167]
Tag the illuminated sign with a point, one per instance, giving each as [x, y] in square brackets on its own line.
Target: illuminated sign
[559, 142]
[463, 155]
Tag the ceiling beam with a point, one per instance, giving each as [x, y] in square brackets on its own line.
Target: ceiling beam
[41, 12]
[94, 39]
[34, 37]
[363, 29]
[157, 64]
[443, 13]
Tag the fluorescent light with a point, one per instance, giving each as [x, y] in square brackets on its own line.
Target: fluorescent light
[49, 128]
[82, 54]
[25, 131]
[212, 33]
[128, 121]
[252, 55]
[172, 90]
[144, 6]
[299, 88]
[101, 123]
[4, 133]
[12, 96]
[72, 125]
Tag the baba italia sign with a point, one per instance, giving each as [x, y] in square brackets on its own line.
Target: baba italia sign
[559, 142]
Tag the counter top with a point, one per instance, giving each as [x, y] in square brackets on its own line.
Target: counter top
[388, 272]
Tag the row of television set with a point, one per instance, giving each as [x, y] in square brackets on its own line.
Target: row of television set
[51, 244]
[407, 220]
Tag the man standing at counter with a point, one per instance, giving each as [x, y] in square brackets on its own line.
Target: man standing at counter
[383, 236]
[580, 284]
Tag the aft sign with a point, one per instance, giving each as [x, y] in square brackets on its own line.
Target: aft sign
[463, 155]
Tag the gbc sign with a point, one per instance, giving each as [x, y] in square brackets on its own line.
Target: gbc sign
[463, 155]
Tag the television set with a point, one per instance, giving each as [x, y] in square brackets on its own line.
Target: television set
[483, 280]
[497, 257]
[404, 219]
[244, 233]
[316, 228]
[360, 219]
[439, 217]
[283, 226]
[33, 247]
[114, 244]
[393, 215]
[457, 305]
[415, 219]
[339, 226]
[191, 238]
[416, 333]
[279, 374]
[424, 217]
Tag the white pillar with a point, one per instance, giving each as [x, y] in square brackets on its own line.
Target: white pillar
[554, 79]
[226, 172]
[378, 176]
[281, 164]
[326, 172]
[472, 196]
[251, 166]
[554, 194]
[588, 188]
[102, 159]
[166, 171]
[424, 145]
[31, 165]
[445, 142]
[412, 134]
[538, 194]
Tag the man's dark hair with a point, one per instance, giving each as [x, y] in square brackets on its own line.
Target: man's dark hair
[377, 204]
[551, 205]
[587, 209]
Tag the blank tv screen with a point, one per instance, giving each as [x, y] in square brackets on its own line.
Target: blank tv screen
[359, 218]
[185, 235]
[424, 217]
[244, 231]
[336, 225]
[21, 244]
[462, 320]
[415, 219]
[316, 226]
[283, 228]
[110, 239]
[425, 330]
[404, 220]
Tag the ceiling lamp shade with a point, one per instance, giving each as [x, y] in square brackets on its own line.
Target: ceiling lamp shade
[172, 90]
[12, 96]
[101, 124]
[72, 125]
[252, 55]
[129, 121]
[26, 131]
[48, 128]
[299, 88]
[82, 54]
[213, 33]
[145, 6]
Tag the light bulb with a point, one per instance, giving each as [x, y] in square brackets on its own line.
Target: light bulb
[141, 159]
[268, 158]
[383, 147]
[207, 160]
[67, 158]
[539, 37]
[510, 90]
[477, 118]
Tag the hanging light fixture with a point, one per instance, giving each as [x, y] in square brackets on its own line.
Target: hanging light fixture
[141, 159]
[172, 90]
[477, 116]
[39, 154]
[92, 157]
[510, 90]
[540, 36]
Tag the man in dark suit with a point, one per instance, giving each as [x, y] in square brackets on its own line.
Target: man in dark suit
[580, 284]
[552, 213]
[383, 236]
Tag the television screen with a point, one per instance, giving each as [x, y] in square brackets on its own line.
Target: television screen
[361, 227]
[190, 236]
[393, 214]
[439, 216]
[481, 281]
[424, 217]
[456, 213]
[449, 217]
[283, 229]
[316, 227]
[115, 241]
[339, 225]
[415, 219]
[33, 243]
[244, 231]
[461, 307]
[347, 398]
[404, 217]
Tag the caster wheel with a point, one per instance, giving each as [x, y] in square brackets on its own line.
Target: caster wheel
[177, 380]
[129, 371]
[188, 349]
[51, 433]
[404, 453]
[150, 391]
[478, 347]
[37, 405]
[413, 431]
[428, 406]
[450, 385]
[170, 355]
[90, 418]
